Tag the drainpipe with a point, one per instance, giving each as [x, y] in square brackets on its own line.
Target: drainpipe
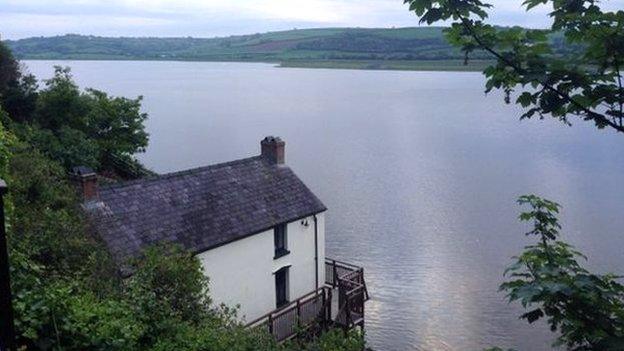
[316, 282]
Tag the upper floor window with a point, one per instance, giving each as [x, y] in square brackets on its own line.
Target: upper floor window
[280, 235]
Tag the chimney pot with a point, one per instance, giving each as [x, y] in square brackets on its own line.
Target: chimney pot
[88, 183]
[273, 149]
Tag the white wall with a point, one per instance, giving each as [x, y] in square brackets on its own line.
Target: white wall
[242, 272]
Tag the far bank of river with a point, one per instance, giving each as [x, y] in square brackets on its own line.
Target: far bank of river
[387, 65]
[392, 65]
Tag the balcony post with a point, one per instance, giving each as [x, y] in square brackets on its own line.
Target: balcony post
[271, 324]
[348, 319]
[363, 314]
[335, 274]
[324, 309]
[298, 314]
[329, 307]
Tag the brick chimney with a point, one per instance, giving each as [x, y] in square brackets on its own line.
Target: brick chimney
[87, 182]
[273, 149]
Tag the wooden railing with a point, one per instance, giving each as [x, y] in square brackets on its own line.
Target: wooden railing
[335, 269]
[315, 308]
[307, 311]
[349, 280]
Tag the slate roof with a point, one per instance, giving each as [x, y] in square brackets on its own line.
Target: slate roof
[200, 208]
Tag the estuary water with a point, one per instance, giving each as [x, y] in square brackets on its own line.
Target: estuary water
[420, 172]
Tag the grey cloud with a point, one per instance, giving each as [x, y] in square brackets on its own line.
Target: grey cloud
[128, 18]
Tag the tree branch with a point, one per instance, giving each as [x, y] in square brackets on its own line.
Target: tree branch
[590, 114]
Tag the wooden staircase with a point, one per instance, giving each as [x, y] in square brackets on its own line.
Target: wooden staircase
[352, 292]
[309, 311]
[312, 313]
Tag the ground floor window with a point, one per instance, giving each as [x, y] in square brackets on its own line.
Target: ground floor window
[281, 287]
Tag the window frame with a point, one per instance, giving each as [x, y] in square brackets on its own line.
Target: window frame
[280, 245]
[283, 272]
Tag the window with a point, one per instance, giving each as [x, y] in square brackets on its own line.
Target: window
[280, 236]
[281, 287]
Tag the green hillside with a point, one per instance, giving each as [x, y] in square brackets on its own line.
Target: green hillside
[305, 44]
[420, 48]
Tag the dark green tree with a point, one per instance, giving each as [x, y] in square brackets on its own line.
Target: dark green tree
[18, 90]
[586, 83]
[116, 123]
[9, 68]
[61, 103]
[85, 128]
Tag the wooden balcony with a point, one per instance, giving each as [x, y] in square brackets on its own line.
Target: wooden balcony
[352, 292]
[344, 288]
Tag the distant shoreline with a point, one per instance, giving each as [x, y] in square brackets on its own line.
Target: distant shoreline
[370, 65]
[392, 65]
[407, 49]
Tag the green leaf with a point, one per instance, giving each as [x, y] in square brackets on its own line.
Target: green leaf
[534, 315]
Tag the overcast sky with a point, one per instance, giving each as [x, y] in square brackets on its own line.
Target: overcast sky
[208, 18]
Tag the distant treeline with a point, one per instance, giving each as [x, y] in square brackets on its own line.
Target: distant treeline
[426, 43]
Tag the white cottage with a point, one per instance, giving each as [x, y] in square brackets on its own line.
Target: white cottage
[257, 229]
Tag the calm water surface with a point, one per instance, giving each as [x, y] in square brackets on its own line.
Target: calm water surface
[420, 172]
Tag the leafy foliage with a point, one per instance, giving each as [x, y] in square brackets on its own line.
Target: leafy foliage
[586, 309]
[60, 103]
[46, 222]
[213, 335]
[334, 340]
[55, 265]
[85, 128]
[68, 146]
[115, 123]
[6, 141]
[73, 127]
[18, 91]
[587, 83]
[168, 285]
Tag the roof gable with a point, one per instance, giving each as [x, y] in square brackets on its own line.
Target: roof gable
[201, 208]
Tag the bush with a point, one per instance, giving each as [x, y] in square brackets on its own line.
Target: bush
[101, 324]
[47, 222]
[335, 340]
[167, 287]
[69, 147]
[213, 335]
